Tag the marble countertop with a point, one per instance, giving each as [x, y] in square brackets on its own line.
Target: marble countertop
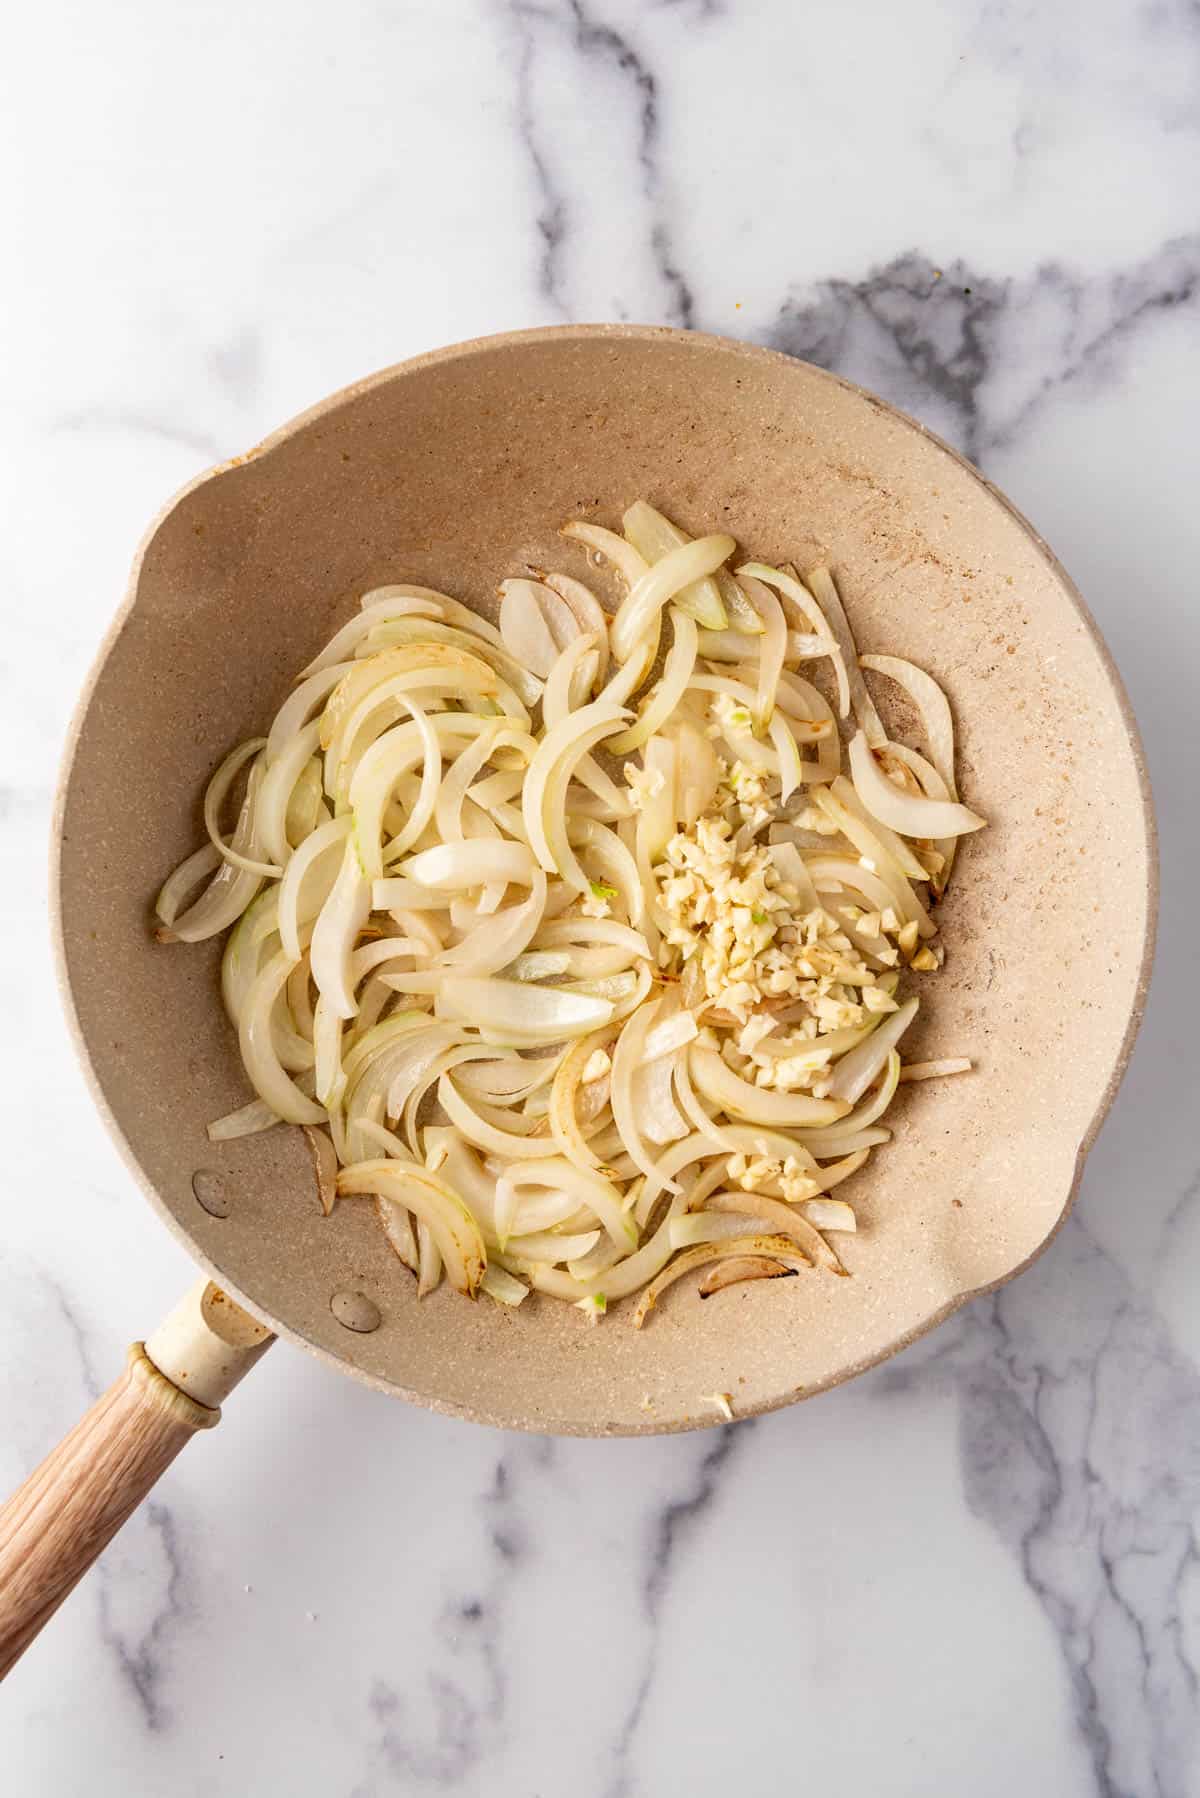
[974, 1570]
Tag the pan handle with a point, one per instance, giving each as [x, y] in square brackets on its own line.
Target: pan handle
[70, 1508]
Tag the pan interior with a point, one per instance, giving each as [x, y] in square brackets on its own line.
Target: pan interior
[454, 471]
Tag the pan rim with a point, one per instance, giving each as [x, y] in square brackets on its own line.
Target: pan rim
[616, 333]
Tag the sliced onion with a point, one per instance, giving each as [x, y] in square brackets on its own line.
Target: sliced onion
[717, 1135]
[327, 1052]
[396, 1224]
[503, 1286]
[740, 1268]
[822, 586]
[880, 890]
[830, 1214]
[855, 1071]
[666, 695]
[726, 646]
[411, 1060]
[452, 866]
[935, 1070]
[375, 778]
[933, 710]
[782, 1220]
[553, 1246]
[789, 867]
[843, 807]
[659, 1118]
[629, 677]
[784, 757]
[338, 923]
[299, 707]
[907, 813]
[343, 643]
[677, 570]
[655, 537]
[525, 684]
[308, 880]
[588, 1189]
[564, 1095]
[594, 930]
[434, 1203]
[535, 623]
[626, 1061]
[291, 801]
[624, 558]
[183, 881]
[656, 820]
[771, 653]
[671, 1032]
[248, 1120]
[325, 1165]
[384, 677]
[480, 1130]
[452, 610]
[934, 787]
[799, 699]
[544, 799]
[259, 1057]
[429, 1260]
[512, 1008]
[758, 1104]
[214, 796]
[841, 1138]
[444, 796]
[506, 937]
[589, 614]
[808, 611]
[743, 617]
[698, 772]
[775, 1248]
[571, 677]
[231, 888]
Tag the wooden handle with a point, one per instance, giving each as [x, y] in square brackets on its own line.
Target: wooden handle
[71, 1507]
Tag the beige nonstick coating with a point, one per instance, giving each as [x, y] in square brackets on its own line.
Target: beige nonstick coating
[455, 470]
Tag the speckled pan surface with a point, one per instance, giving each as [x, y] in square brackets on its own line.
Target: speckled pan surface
[454, 470]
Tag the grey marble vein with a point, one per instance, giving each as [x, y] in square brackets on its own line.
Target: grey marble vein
[441, 1736]
[602, 46]
[150, 1549]
[137, 1636]
[975, 352]
[551, 218]
[670, 1532]
[1079, 1425]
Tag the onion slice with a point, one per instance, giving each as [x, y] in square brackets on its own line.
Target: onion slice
[758, 1104]
[325, 1165]
[677, 570]
[855, 1071]
[907, 813]
[514, 1008]
[935, 1070]
[740, 1268]
[338, 923]
[544, 800]
[435, 1203]
[783, 1221]
[654, 537]
[780, 1249]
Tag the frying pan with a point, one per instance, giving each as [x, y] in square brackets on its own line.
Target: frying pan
[454, 470]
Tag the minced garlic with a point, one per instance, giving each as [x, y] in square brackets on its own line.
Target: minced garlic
[750, 954]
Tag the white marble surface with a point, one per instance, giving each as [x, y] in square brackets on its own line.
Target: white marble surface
[974, 1571]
